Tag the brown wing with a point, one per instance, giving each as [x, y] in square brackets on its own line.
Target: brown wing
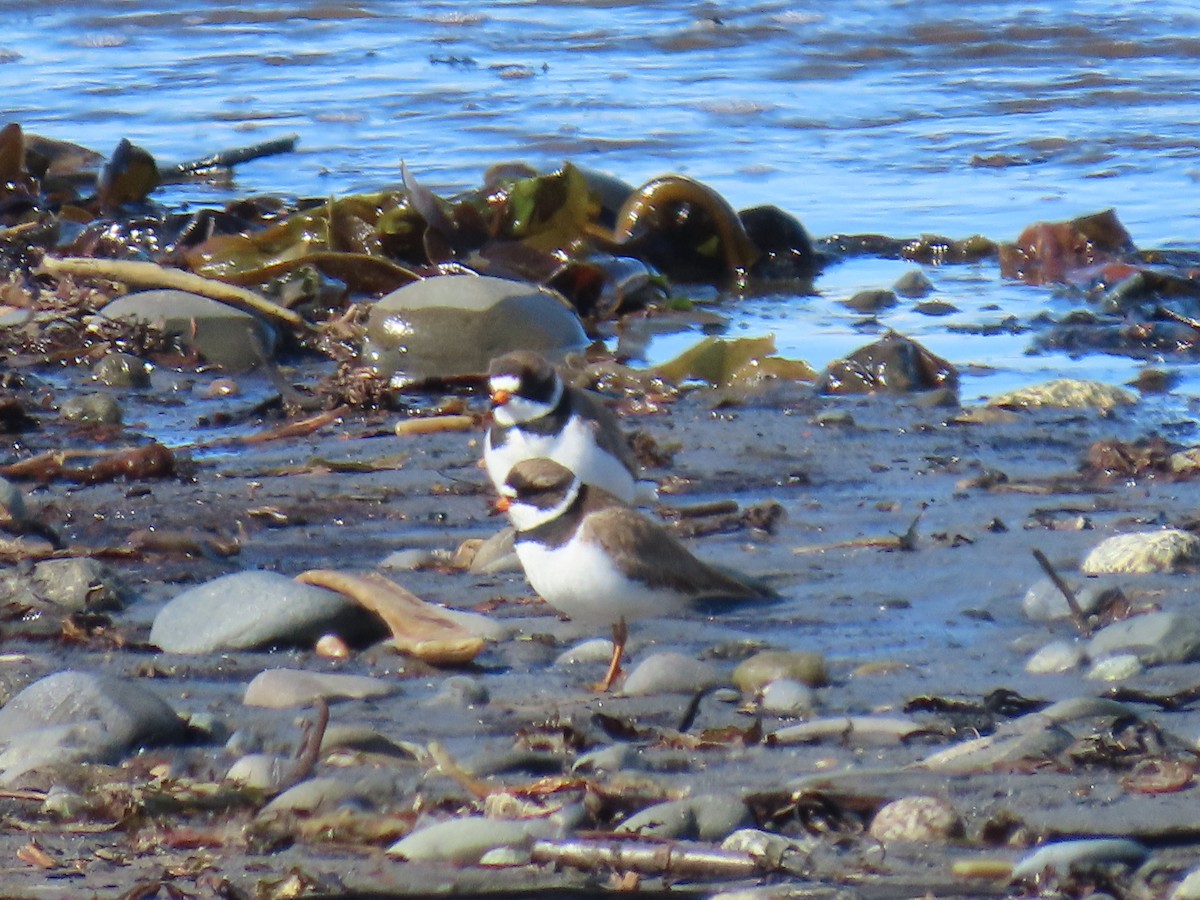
[646, 551]
[609, 433]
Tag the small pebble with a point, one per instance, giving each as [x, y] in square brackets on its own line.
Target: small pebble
[123, 370]
[91, 409]
[460, 692]
[287, 688]
[669, 673]
[788, 697]
[1067, 857]
[1116, 668]
[913, 283]
[596, 650]
[1056, 657]
[917, 819]
[755, 673]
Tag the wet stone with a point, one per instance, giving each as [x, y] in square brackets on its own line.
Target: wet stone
[225, 336]
[1074, 857]
[261, 771]
[1067, 393]
[91, 409]
[1044, 602]
[465, 840]
[870, 301]
[1116, 668]
[1143, 552]
[917, 819]
[913, 283]
[1155, 638]
[756, 672]
[455, 325]
[669, 673]
[247, 610]
[595, 650]
[286, 688]
[704, 818]
[80, 717]
[122, 370]
[460, 692]
[63, 586]
[787, 696]
[1055, 658]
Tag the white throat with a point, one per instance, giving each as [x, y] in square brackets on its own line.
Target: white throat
[518, 409]
[526, 516]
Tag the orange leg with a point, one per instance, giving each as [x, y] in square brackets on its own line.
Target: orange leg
[620, 634]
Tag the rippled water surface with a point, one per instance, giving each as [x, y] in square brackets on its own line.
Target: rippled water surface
[891, 117]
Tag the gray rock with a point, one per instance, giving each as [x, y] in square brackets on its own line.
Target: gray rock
[1031, 737]
[91, 409]
[80, 717]
[122, 370]
[12, 503]
[917, 819]
[460, 692]
[788, 697]
[376, 790]
[247, 610]
[1116, 668]
[261, 771]
[287, 688]
[1067, 857]
[1055, 658]
[704, 818]
[1156, 638]
[1067, 393]
[669, 673]
[454, 325]
[465, 840]
[63, 586]
[913, 283]
[595, 650]
[756, 672]
[223, 335]
[1045, 603]
[1143, 552]
[496, 554]
[870, 301]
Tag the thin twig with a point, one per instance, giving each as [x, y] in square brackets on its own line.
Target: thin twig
[309, 750]
[1077, 615]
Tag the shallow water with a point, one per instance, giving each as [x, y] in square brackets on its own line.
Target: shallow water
[899, 118]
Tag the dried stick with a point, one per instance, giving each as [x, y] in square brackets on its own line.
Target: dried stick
[1077, 615]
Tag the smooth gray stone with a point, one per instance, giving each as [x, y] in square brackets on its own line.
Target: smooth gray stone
[91, 409]
[1044, 602]
[465, 840]
[224, 335]
[788, 697]
[1156, 638]
[130, 713]
[247, 610]
[122, 370]
[375, 791]
[261, 771]
[63, 586]
[454, 325]
[669, 673]
[287, 688]
[74, 717]
[1065, 857]
[705, 818]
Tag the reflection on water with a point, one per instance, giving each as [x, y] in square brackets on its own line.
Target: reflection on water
[896, 117]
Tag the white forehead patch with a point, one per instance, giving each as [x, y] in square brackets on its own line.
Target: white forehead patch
[508, 383]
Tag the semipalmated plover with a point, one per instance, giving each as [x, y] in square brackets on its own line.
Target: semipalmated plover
[598, 561]
[535, 415]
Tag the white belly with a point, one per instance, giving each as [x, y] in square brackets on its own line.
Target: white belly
[578, 580]
[574, 447]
